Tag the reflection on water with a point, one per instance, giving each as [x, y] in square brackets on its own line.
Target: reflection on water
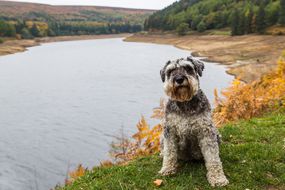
[62, 103]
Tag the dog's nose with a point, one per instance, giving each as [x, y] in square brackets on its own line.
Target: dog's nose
[179, 80]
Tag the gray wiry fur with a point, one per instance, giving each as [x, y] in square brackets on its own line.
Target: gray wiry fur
[189, 133]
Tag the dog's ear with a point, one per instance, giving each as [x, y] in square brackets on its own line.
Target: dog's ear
[162, 71]
[198, 65]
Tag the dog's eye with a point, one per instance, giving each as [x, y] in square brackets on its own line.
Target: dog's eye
[189, 69]
[169, 72]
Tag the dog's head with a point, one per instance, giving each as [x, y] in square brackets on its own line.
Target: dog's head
[181, 78]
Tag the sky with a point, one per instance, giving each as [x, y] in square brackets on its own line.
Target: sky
[142, 4]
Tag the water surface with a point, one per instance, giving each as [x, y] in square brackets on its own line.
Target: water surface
[62, 103]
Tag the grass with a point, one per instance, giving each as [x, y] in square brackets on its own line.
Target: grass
[253, 155]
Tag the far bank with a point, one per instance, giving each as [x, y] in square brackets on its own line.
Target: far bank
[11, 46]
[248, 57]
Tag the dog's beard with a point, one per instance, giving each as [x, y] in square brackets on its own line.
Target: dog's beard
[181, 93]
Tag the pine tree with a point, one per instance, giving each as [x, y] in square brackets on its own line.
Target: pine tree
[10, 30]
[234, 23]
[241, 23]
[282, 12]
[201, 26]
[19, 26]
[2, 28]
[7, 29]
[35, 31]
[25, 33]
[260, 20]
[248, 22]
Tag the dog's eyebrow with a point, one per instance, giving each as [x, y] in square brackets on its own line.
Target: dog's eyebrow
[187, 63]
[170, 66]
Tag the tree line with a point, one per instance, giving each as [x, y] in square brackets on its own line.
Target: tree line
[242, 16]
[31, 29]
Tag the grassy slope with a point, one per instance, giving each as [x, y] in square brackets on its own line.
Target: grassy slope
[253, 154]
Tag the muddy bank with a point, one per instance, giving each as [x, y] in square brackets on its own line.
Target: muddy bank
[247, 57]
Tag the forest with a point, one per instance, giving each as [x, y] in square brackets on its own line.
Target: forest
[241, 16]
[29, 29]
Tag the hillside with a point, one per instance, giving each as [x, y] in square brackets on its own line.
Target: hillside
[41, 12]
[252, 152]
[243, 17]
[29, 20]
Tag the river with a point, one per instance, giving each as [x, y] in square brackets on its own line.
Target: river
[61, 104]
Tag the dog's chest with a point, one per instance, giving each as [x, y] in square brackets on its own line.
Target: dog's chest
[185, 125]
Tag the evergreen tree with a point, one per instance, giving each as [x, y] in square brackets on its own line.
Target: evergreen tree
[7, 29]
[260, 20]
[235, 23]
[201, 26]
[19, 26]
[10, 30]
[282, 12]
[249, 22]
[272, 14]
[241, 23]
[25, 34]
[196, 20]
[51, 32]
[2, 28]
[35, 31]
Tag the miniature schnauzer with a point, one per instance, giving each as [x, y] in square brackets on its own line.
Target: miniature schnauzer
[188, 130]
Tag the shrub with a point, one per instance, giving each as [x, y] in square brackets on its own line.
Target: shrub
[73, 175]
[1, 41]
[182, 29]
[244, 101]
[145, 142]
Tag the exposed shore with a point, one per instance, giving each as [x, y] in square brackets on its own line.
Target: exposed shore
[14, 46]
[247, 57]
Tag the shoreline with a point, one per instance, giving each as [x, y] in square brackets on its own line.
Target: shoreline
[16, 46]
[246, 57]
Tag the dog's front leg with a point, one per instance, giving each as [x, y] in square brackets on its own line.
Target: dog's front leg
[170, 148]
[210, 150]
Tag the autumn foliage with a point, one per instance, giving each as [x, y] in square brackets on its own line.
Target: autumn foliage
[244, 101]
[78, 172]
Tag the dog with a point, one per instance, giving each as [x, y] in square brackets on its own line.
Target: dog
[188, 130]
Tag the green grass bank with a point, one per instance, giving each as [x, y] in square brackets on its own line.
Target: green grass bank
[253, 155]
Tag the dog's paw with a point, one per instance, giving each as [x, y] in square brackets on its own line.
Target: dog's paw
[218, 181]
[167, 171]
